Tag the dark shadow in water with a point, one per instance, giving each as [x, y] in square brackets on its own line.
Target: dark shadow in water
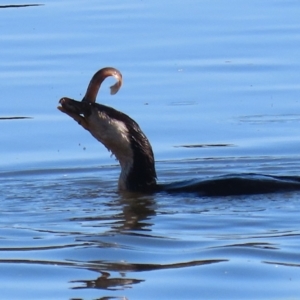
[120, 283]
[103, 298]
[105, 283]
[281, 264]
[204, 145]
[19, 5]
[14, 118]
[268, 246]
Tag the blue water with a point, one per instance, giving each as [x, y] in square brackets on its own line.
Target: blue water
[195, 74]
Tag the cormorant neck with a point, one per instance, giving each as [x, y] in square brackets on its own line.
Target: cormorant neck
[123, 137]
[138, 173]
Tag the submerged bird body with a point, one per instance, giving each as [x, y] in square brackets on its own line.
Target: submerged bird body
[123, 137]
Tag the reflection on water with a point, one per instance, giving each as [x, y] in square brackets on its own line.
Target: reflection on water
[267, 119]
[14, 118]
[19, 5]
[106, 283]
[205, 145]
[78, 230]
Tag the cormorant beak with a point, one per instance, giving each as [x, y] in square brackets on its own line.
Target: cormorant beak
[73, 106]
[75, 109]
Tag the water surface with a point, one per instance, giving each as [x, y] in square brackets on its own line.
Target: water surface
[215, 88]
